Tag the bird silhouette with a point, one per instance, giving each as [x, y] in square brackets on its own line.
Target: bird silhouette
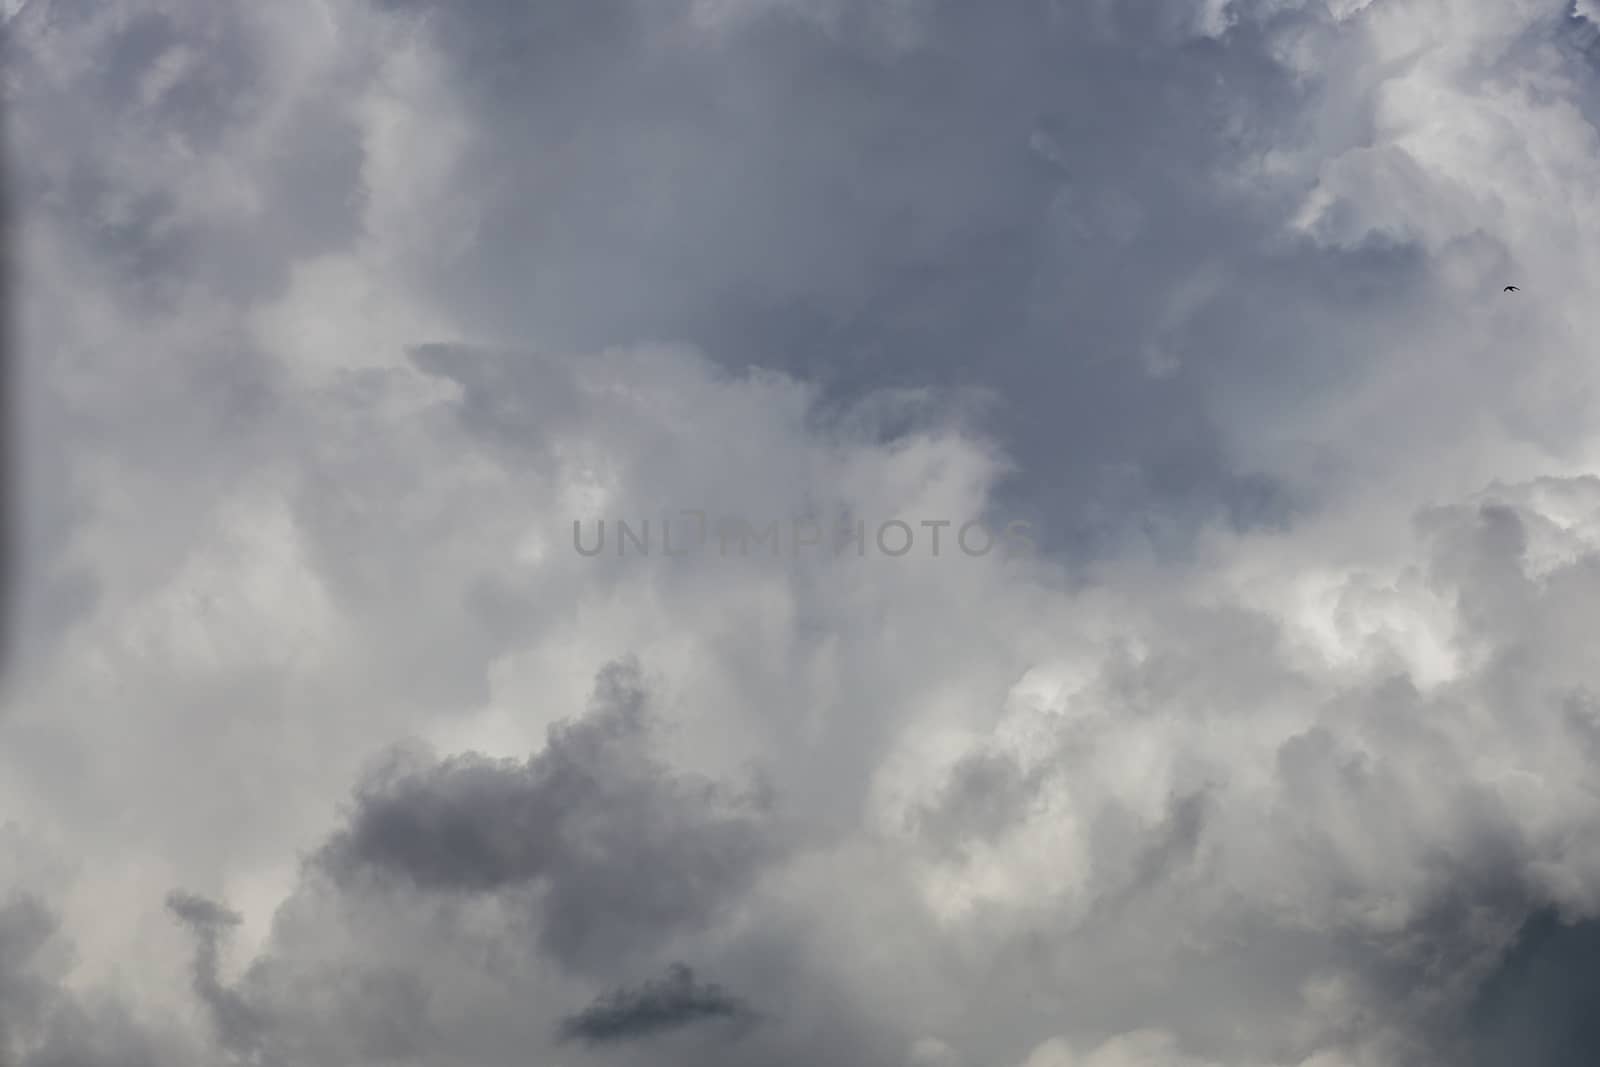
[1511, 289]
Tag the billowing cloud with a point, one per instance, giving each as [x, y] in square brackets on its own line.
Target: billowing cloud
[325, 742]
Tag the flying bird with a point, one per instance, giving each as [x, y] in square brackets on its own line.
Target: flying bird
[1511, 289]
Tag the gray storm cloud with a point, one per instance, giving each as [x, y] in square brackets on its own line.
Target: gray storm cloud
[320, 744]
[624, 852]
[669, 1003]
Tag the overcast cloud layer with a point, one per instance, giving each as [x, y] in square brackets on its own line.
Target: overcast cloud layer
[322, 744]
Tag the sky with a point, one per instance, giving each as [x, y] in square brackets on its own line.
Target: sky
[1260, 729]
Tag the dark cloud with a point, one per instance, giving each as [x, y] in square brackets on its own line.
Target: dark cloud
[238, 1024]
[205, 917]
[621, 851]
[669, 1003]
[1539, 1007]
